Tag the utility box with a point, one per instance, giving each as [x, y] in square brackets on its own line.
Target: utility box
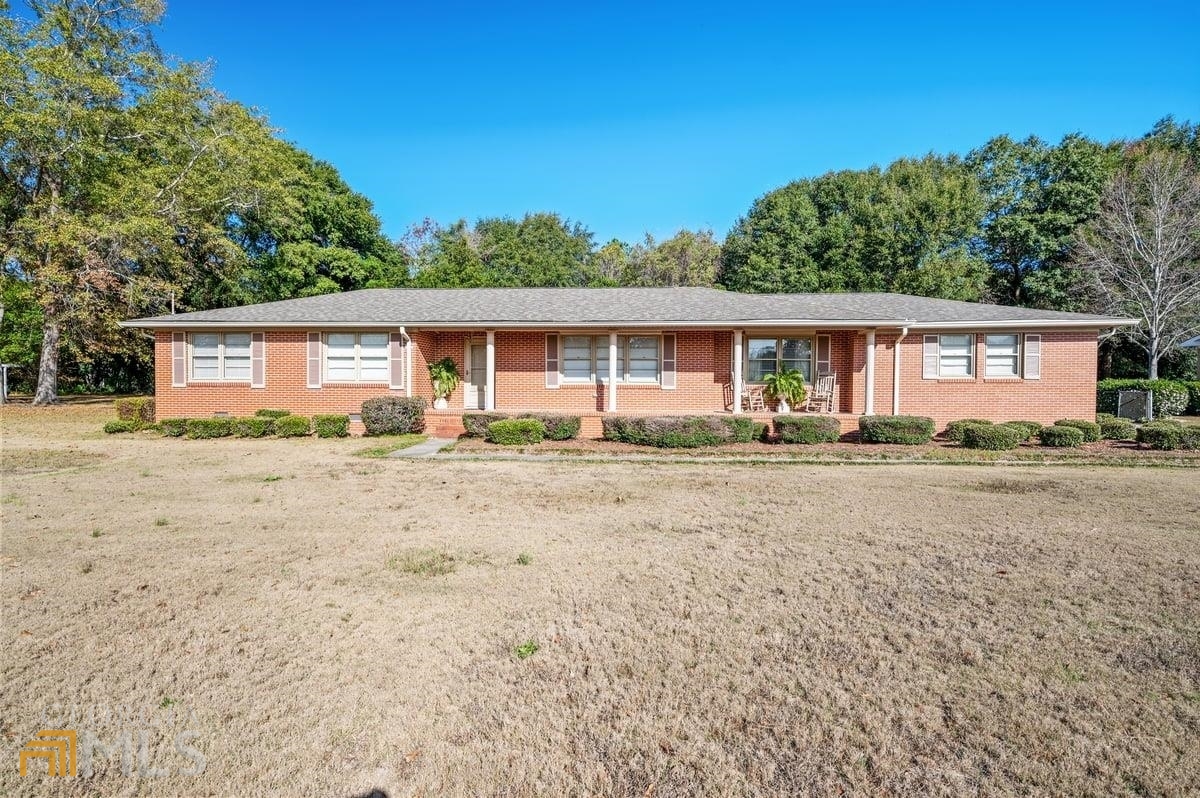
[1135, 405]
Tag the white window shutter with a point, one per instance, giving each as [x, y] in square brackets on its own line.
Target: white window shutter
[396, 360]
[668, 361]
[178, 359]
[552, 360]
[824, 356]
[929, 367]
[314, 360]
[1033, 356]
[258, 360]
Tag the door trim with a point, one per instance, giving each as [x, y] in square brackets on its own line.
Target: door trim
[467, 380]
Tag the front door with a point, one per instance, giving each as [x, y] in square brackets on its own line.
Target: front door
[476, 384]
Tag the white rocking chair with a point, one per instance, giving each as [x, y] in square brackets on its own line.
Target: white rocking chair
[820, 395]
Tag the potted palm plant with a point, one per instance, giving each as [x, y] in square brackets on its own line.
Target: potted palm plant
[785, 388]
[444, 376]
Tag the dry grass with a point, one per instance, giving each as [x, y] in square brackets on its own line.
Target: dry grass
[677, 629]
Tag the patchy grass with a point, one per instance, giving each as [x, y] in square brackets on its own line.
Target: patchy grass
[383, 446]
[709, 628]
[527, 649]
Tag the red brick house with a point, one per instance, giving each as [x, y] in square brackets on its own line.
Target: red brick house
[591, 351]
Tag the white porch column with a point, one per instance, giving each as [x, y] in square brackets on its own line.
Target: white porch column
[896, 372]
[737, 371]
[870, 404]
[612, 372]
[489, 392]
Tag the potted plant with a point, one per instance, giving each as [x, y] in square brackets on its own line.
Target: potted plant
[785, 388]
[444, 375]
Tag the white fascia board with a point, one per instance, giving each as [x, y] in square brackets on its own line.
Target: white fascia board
[1093, 324]
[514, 325]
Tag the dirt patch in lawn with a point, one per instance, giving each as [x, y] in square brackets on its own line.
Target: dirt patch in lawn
[331, 625]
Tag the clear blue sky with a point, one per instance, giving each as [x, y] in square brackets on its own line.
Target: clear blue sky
[647, 116]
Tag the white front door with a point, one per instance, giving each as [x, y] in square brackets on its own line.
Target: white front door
[475, 397]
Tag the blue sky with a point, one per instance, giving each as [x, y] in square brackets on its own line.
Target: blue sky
[655, 116]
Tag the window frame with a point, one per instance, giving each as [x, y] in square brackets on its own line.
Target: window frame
[384, 358]
[598, 344]
[222, 356]
[779, 358]
[1018, 356]
[972, 367]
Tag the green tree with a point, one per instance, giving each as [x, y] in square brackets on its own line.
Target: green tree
[904, 229]
[687, 258]
[1037, 196]
[121, 170]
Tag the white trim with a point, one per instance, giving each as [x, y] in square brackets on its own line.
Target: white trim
[190, 354]
[612, 368]
[469, 342]
[807, 335]
[896, 372]
[358, 357]
[1005, 324]
[1031, 364]
[869, 407]
[1019, 366]
[737, 371]
[489, 391]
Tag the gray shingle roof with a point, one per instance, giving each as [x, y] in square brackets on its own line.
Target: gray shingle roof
[543, 307]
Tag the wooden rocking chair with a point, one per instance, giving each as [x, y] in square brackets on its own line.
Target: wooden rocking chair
[752, 398]
[820, 395]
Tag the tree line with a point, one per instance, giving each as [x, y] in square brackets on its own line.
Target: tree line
[131, 187]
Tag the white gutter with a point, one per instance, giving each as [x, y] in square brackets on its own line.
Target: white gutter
[896, 372]
[199, 324]
[407, 361]
[1022, 323]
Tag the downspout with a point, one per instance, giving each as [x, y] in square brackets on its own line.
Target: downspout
[407, 362]
[896, 372]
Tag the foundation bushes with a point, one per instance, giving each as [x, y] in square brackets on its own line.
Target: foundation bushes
[1061, 437]
[292, 426]
[908, 430]
[516, 431]
[272, 413]
[678, 432]
[955, 429]
[807, 429]
[173, 427]
[139, 410]
[253, 427]
[995, 437]
[1090, 429]
[119, 426]
[559, 427]
[1168, 435]
[331, 425]
[1029, 429]
[197, 428]
[476, 424]
[1117, 429]
[394, 415]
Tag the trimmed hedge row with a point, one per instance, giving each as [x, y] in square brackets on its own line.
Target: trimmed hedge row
[807, 429]
[908, 430]
[394, 415]
[254, 426]
[995, 437]
[331, 425]
[120, 425]
[955, 429]
[559, 426]
[139, 410]
[679, 432]
[476, 424]
[1116, 429]
[292, 426]
[1061, 437]
[208, 427]
[1168, 435]
[1171, 397]
[248, 427]
[516, 431]
[1090, 429]
[266, 413]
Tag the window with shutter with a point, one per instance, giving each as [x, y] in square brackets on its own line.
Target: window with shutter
[929, 365]
[178, 359]
[668, 361]
[1033, 356]
[258, 360]
[314, 360]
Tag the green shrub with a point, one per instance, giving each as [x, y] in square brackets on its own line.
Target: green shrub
[1028, 429]
[996, 437]
[559, 427]
[954, 430]
[332, 426]
[909, 430]
[115, 427]
[1169, 435]
[208, 427]
[272, 413]
[807, 429]
[138, 409]
[292, 426]
[476, 424]
[1061, 437]
[1090, 429]
[173, 427]
[1193, 405]
[394, 415]
[516, 431]
[1170, 396]
[253, 426]
[1117, 429]
[679, 432]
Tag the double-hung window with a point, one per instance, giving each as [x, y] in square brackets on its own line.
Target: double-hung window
[956, 355]
[356, 357]
[585, 358]
[220, 357]
[771, 355]
[1002, 356]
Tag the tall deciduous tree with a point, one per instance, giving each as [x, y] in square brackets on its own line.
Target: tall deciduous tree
[687, 258]
[1142, 251]
[121, 170]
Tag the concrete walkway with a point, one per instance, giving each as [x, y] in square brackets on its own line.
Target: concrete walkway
[426, 448]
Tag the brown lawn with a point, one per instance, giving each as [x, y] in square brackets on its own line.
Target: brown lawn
[307, 621]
